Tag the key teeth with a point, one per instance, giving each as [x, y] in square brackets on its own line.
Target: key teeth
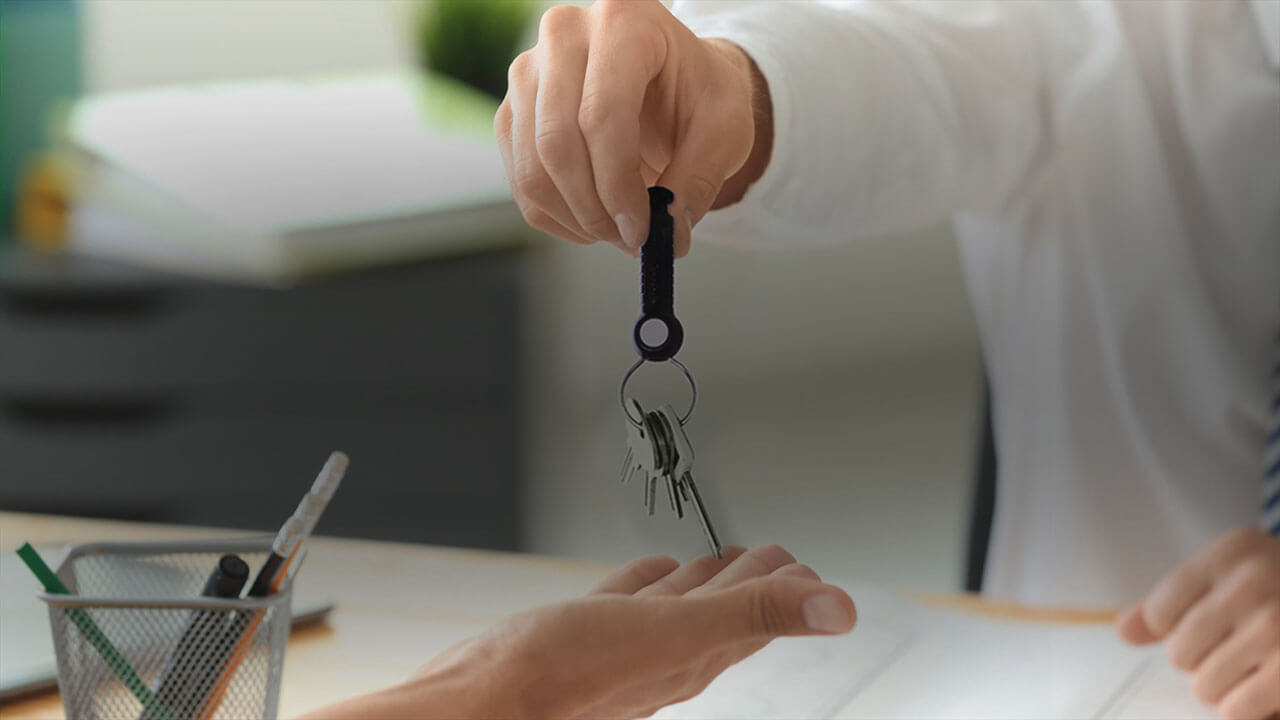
[626, 467]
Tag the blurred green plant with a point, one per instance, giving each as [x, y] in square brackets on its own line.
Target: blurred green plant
[474, 41]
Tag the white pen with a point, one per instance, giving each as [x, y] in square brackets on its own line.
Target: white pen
[300, 525]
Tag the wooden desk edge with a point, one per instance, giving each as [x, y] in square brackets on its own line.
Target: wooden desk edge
[977, 605]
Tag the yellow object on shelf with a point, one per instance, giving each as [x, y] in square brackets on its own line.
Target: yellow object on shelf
[43, 203]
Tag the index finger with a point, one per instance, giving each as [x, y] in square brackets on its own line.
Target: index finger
[617, 77]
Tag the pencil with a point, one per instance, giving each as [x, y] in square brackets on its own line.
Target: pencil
[110, 655]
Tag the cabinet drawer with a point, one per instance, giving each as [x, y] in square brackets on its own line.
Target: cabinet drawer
[444, 474]
[448, 321]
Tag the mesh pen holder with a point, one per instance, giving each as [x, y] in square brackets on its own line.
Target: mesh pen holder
[136, 641]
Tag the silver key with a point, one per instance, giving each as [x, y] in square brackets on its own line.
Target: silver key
[683, 471]
[665, 454]
[640, 457]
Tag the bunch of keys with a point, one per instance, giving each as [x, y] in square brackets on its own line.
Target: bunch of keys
[658, 450]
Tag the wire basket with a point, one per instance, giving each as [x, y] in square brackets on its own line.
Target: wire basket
[136, 640]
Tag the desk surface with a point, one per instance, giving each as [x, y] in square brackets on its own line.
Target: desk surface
[427, 598]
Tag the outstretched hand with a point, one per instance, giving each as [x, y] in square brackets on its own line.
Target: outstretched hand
[652, 634]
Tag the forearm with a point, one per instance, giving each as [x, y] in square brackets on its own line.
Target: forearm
[447, 695]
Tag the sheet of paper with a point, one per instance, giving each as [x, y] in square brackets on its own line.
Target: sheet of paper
[904, 660]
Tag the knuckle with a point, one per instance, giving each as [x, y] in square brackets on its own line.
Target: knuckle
[1239, 538]
[704, 564]
[643, 569]
[703, 190]
[767, 615]
[1179, 657]
[1203, 689]
[610, 10]
[1251, 579]
[595, 114]
[778, 552]
[1158, 619]
[599, 226]
[502, 122]
[555, 144]
[1251, 535]
[625, 20]
[530, 179]
[1163, 611]
[558, 20]
[1271, 624]
[796, 569]
[1233, 709]
[694, 683]
[522, 67]
[538, 219]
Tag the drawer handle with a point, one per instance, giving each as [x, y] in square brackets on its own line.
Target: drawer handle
[83, 305]
[134, 413]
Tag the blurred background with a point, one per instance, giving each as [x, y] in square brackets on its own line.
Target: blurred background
[238, 235]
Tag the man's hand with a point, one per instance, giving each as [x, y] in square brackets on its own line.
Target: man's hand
[1218, 616]
[620, 96]
[652, 634]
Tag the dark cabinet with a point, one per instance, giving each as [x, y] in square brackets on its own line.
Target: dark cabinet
[142, 395]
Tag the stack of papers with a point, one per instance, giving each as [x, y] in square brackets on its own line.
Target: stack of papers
[908, 661]
[280, 178]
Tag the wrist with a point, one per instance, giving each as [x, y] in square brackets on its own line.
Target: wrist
[735, 187]
[460, 690]
[451, 692]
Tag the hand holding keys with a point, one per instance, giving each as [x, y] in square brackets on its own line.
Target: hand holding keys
[657, 446]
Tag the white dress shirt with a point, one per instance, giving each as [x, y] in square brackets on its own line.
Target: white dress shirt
[1113, 173]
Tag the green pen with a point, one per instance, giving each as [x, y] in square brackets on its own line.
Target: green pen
[118, 664]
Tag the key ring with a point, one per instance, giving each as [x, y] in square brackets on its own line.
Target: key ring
[622, 391]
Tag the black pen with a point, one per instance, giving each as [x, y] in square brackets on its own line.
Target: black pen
[184, 674]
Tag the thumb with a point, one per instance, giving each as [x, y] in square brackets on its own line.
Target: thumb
[1132, 626]
[770, 607]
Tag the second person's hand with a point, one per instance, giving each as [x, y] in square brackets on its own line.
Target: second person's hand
[652, 634]
[1218, 617]
[620, 96]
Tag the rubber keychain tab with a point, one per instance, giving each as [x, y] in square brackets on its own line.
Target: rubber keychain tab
[658, 335]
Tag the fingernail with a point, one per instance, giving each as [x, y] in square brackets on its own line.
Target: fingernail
[627, 229]
[824, 613]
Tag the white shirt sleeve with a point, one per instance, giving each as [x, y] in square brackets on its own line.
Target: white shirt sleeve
[888, 116]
